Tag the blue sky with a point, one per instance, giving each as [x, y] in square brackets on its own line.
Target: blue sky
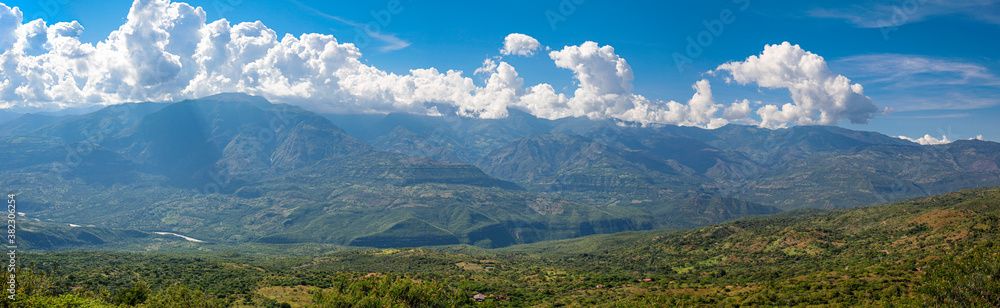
[933, 64]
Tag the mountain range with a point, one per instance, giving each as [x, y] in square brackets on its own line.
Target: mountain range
[235, 168]
[613, 162]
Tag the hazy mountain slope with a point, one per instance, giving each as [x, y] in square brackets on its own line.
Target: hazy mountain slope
[402, 140]
[26, 123]
[872, 174]
[543, 158]
[8, 115]
[237, 168]
[467, 139]
[798, 167]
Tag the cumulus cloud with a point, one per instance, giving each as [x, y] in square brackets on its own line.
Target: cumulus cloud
[605, 79]
[10, 19]
[819, 96]
[520, 44]
[168, 51]
[928, 140]
[489, 66]
[738, 111]
[699, 111]
[605, 91]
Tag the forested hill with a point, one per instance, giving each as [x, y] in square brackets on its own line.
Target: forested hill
[934, 251]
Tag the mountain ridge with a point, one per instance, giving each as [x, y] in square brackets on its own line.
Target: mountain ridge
[237, 168]
[738, 161]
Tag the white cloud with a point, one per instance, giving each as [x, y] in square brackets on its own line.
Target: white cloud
[605, 91]
[10, 20]
[738, 111]
[701, 109]
[168, 51]
[929, 140]
[605, 79]
[489, 66]
[819, 96]
[520, 44]
[165, 52]
[543, 101]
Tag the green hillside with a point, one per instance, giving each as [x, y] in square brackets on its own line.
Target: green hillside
[936, 251]
[41, 236]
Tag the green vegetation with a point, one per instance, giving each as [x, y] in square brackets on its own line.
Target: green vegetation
[386, 291]
[935, 251]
